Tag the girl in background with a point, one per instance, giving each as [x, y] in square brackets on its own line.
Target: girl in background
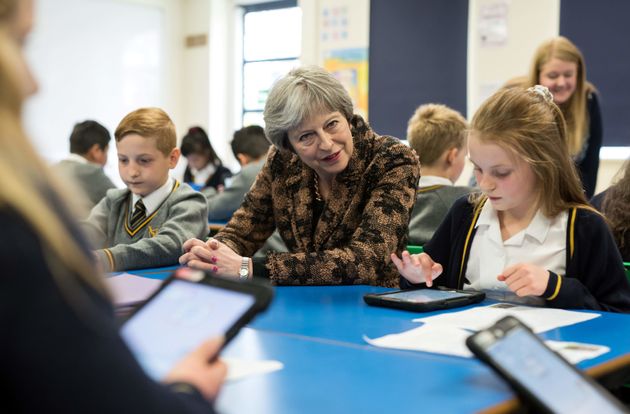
[530, 234]
[559, 65]
[204, 169]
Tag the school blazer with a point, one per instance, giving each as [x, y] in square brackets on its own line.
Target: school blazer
[157, 241]
[595, 276]
[363, 222]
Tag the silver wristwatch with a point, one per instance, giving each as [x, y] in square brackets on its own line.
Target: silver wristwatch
[243, 274]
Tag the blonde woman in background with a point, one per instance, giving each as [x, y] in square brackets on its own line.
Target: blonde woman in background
[60, 349]
[559, 65]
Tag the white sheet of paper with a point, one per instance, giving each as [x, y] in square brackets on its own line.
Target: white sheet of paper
[538, 319]
[438, 339]
[448, 340]
[241, 368]
[575, 352]
[128, 289]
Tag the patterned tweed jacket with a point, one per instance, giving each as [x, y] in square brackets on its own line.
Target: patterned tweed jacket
[364, 220]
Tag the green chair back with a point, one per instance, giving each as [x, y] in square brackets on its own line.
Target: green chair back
[627, 266]
[416, 249]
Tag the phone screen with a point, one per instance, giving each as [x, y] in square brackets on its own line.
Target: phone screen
[546, 376]
[178, 319]
[425, 295]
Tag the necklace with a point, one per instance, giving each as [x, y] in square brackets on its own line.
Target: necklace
[318, 196]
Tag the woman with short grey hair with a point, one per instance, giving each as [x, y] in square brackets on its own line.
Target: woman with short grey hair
[339, 194]
[293, 97]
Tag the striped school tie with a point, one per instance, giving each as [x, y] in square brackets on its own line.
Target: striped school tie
[139, 215]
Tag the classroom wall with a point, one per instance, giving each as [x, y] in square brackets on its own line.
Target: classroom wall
[484, 73]
[417, 56]
[101, 59]
[199, 84]
[502, 40]
[501, 43]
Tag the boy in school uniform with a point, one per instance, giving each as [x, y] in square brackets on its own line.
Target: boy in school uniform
[146, 224]
[437, 134]
[250, 146]
[89, 143]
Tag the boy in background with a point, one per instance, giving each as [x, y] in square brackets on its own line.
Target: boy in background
[146, 224]
[437, 134]
[250, 146]
[89, 143]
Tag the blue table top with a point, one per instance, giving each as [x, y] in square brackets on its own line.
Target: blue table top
[320, 377]
[317, 332]
[338, 313]
[152, 273]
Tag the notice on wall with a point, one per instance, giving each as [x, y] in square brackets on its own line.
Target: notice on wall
[493, 24]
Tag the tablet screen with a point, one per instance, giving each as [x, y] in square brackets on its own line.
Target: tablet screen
[546, 376]
[425, 295]
[178, 319]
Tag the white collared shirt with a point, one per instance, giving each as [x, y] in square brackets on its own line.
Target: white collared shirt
[542, 243]
[152, 201]
[201, 176]
[77, 158]
[429, 180]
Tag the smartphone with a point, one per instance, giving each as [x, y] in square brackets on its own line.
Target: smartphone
[542, 378]
[184, 312]
[424, 300]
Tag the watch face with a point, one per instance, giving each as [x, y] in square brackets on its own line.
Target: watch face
[243, 272]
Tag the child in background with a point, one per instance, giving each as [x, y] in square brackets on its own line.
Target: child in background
[437, 133]
[250, 146]
[89, 143]
[559, 65]
[530, 233]
[614, 203]
[204, 169]
[146, 224]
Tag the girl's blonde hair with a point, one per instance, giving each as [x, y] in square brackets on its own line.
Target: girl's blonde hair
[574, 110]
[26, 181]
[527, 124]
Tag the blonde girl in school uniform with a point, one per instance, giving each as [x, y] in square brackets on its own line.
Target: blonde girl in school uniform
[529, 235]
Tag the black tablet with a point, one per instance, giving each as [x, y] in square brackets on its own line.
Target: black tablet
[544, 380]
[185, 312]
[424, 300]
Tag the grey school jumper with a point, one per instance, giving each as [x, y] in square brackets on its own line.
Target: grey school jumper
[432, 204]
[89, 177]
[159, 239]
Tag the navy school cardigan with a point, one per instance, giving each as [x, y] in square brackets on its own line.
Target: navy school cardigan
[595, 277]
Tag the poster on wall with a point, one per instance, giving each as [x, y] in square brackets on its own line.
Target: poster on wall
[350, 67]
[493, 24]
[344, 46]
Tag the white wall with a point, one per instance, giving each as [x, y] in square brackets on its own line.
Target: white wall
[523, 24]
[100, 59]
[195, 83]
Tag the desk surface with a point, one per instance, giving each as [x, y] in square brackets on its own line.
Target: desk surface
[322, 377]
[338, 313]
[316, 331]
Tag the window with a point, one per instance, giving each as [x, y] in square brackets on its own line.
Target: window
[272, 38]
